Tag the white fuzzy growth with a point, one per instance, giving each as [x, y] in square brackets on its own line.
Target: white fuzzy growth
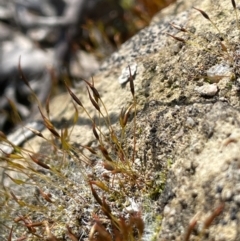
[125, 75]
[207, 90]
[219, 71]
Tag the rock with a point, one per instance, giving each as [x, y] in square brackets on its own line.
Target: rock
[44, 39]
[127, 73]
[219, 71]
[207, 90]
[189, 185]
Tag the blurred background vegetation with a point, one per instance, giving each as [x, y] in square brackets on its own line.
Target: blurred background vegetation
[106, 34]
[103, 27]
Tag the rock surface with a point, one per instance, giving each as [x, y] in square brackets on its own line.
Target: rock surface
[43, 34]
[199, 135]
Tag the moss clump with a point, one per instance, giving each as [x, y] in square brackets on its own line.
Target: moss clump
[68, 191]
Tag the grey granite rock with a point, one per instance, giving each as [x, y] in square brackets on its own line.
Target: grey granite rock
[194, 165]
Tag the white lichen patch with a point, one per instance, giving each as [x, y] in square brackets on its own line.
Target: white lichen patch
[219, 71]
[127, 73]
[207, 90]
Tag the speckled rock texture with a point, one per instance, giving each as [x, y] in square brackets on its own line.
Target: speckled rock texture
[194, 135]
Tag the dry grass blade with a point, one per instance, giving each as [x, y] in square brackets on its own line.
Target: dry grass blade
[95, 195]
[215, 213]
[177, 38]
[10, 234]
[138, 222]
[17, 200]
[36, 132]
[46, 196]
[15, 117]
[22, 76]
[190, 228]
[64, 140]
[48, 124]
[95, 131]
[127, 230]
[17, 181]
[27, 224]
[16, 166]
[14, 156]
[70, 234]
[180, 28]
[100, 185]
[94, 103]
[208, 18]
[106, 209]
[95, 92]
[99, 233]
[76, 114]
[124, 115]
[47, 106]
[223, 46]
[90, 149]
[22, 238]
[74, 97]
[108, 166]
[203, 13]
[50, 236]
[233, 4]
[105, 153]
[131, 82]
[38, 224]
[114, 138]
[236, 13]
[121, 117]
[40, 163]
